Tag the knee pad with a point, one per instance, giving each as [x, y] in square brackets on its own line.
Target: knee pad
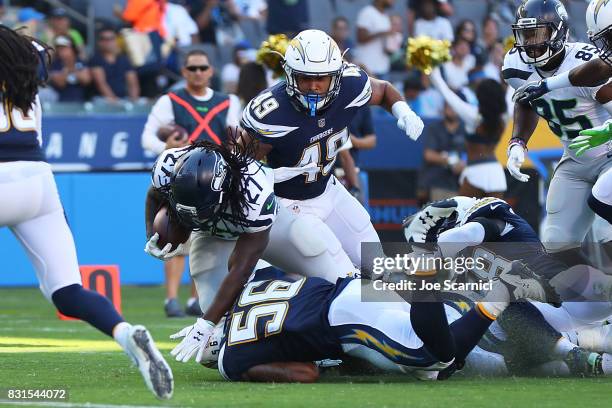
[312, 237]
[354, 215]
[600, 208]
[556, 239]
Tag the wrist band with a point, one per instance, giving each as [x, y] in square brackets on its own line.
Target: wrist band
[514, 142]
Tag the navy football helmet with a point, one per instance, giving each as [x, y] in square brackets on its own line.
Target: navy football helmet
[540, 31]
[197, 187]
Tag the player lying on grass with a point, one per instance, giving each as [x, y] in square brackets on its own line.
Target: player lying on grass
[30, 206]
[489, 228]
[278, 327]
[593, 73]
[227, 198]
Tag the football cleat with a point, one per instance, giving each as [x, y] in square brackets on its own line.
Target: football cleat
[584, 363]
[173, 308]
[193, 309]
[523, 283]
[154, 369]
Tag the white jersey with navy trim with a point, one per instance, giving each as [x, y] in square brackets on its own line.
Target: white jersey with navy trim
[21, 134]
[567, 110]
[258, 184]
[300, 141]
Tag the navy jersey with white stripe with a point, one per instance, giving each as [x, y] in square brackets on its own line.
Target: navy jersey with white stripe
[20, 134]
[278, 321]
[301, 140]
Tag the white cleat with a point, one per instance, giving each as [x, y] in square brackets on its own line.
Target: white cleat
[152, 365]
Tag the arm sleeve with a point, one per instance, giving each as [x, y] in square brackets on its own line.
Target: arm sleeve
[455, 240]
[234, 112]
[468, 113]
[161, 115]
[493, 228]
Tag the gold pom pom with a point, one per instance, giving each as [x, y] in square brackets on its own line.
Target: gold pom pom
[272, 51]
[425, 53]
[508, 43]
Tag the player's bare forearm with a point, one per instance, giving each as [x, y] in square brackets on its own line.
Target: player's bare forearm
[384, 94]
[294, 371]
[593, 73]
[261, 149]
[364, 143]
[154, 201]
[247, 252]
[525, 121]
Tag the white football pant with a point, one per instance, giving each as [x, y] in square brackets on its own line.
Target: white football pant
[568, 216]
[31, 208]
[299, 245]
[342, 213]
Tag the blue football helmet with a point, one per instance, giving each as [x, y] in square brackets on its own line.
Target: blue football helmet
[197, 187]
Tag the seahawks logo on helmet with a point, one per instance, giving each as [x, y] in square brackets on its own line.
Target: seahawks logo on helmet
[220, 173]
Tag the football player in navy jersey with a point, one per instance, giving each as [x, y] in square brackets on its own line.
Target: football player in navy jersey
[226, 197]
[31, 208]
[488, 228]
[301, 125]
[278, 327]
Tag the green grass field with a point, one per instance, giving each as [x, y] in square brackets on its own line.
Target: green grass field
[37, 350]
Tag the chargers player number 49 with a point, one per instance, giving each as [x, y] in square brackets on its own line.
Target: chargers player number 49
[314, 154]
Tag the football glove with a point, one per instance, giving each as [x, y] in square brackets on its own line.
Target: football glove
[195, 338]
[530, 91]
[424, 225]
[516, 157]
[590, 138]
[164, 253]
[407, 120]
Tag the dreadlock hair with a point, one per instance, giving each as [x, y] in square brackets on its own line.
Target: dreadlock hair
[238, 154]
[20, 60]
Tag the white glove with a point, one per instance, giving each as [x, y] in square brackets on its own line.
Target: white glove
[407, 120]
[516, 157]
[195, 339]
[418, 226]
[164, 253]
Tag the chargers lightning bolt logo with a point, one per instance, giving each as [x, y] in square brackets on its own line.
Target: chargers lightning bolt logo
[598, 6]
[367, 339]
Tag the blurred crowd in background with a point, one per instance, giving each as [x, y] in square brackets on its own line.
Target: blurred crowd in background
[137, 52]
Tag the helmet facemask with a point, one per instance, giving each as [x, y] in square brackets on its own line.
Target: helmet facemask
[311, 101]
[603, 41]
[538, 42]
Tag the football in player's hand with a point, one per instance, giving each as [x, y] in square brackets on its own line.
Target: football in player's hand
[169, 228]
[173, 130]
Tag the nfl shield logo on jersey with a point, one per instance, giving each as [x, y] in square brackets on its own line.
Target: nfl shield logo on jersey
[321, 122]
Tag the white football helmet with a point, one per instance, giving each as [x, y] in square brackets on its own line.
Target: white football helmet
[599, 27]
[313, 53]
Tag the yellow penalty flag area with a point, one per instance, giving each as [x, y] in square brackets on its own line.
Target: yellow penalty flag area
[43, 345]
